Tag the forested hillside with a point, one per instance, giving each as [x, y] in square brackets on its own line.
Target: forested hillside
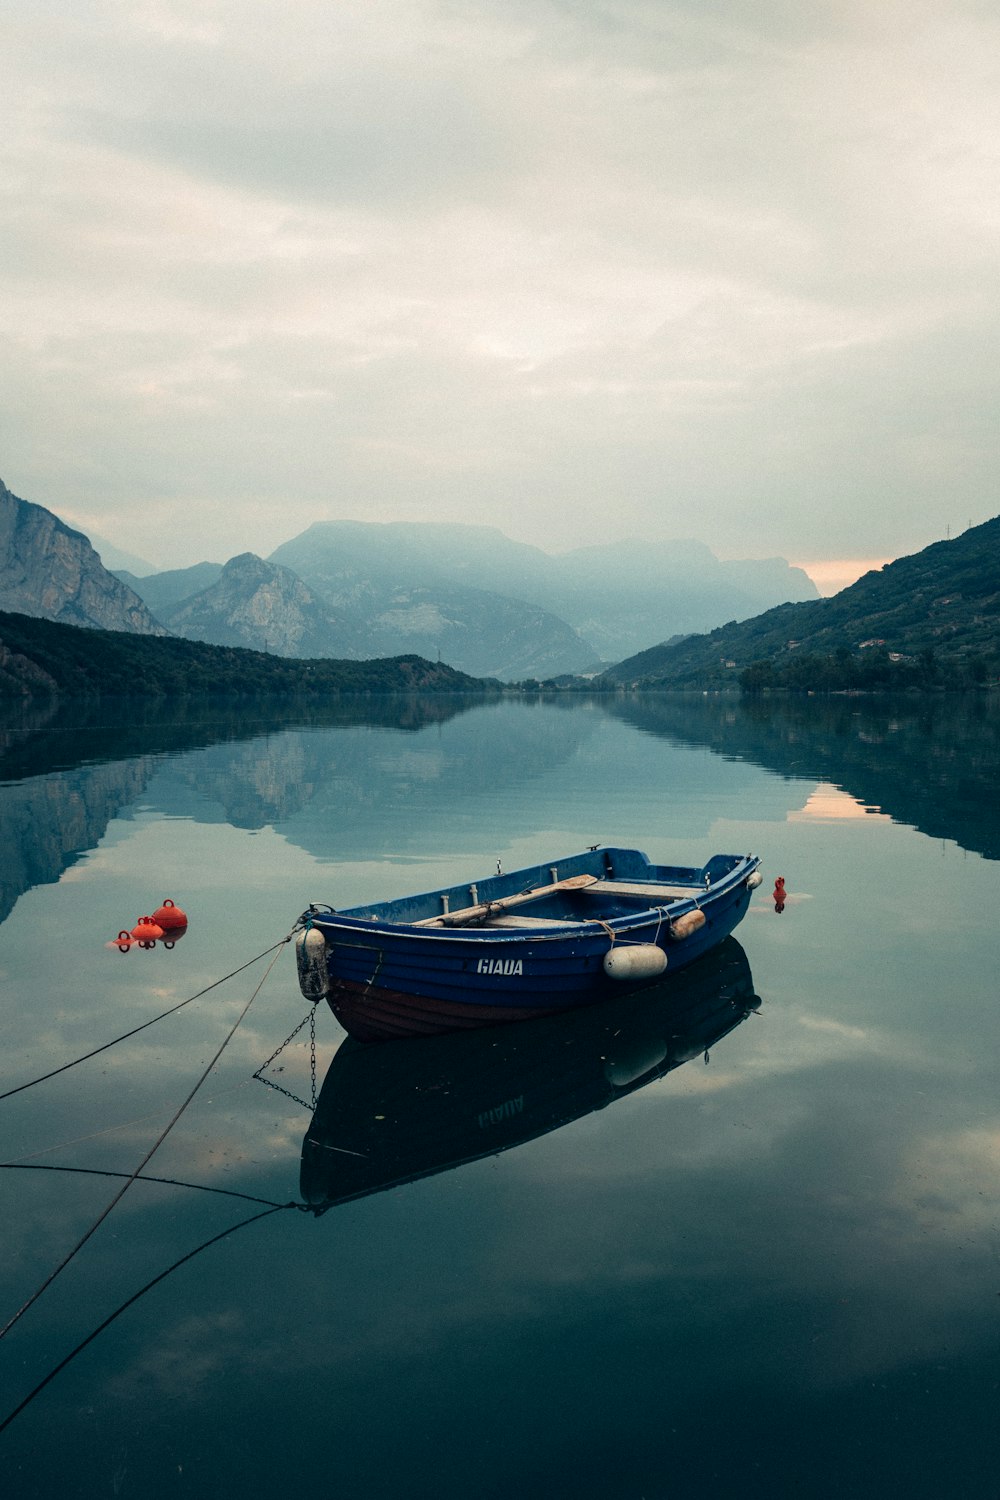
[932, 619]
[39, 658]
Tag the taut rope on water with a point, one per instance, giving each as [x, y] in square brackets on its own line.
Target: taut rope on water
[242, 1224]
[152, 1022]
[152, 1150]
[195, 1187]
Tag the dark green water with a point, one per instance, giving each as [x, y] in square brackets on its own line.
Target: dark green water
[619, 1269]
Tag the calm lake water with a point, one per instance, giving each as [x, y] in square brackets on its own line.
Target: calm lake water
[772, 1271]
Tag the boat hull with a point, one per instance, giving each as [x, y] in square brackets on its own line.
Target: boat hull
[388, 979]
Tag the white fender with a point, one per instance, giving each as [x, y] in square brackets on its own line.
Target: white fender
[310, 960]
[634, 961]
[754, 880]
[632, 1062]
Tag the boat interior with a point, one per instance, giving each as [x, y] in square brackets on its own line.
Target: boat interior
[599, 885]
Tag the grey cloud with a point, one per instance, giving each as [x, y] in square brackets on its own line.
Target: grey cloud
[373, 142]
[722, 274]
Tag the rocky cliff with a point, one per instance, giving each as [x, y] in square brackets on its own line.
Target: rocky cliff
[268, 608]
[349, 614]
[52, 572]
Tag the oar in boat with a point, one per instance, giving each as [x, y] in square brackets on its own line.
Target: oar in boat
[485, 909]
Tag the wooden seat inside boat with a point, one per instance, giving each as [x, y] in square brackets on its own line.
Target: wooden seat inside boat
[648, 890]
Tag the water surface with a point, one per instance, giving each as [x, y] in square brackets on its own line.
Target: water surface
[741, 1239]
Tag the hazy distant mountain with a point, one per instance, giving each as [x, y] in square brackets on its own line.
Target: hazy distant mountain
[118, 561]
[616, 596]
[52, 572]
[437, 589]
[486, 634]
[941, 606]
[355, 561]
[629, 593]
[267, 608]
[161, 591]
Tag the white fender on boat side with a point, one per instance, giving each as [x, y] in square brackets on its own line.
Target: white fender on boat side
[634, 961]
[754, 880]
[310, 960]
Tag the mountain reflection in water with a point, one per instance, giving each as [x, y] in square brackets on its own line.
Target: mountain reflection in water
[36, 740]
[68, 769]
[393, 1112]
[932, 762]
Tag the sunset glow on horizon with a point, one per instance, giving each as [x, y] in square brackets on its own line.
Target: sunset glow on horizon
[830, 576]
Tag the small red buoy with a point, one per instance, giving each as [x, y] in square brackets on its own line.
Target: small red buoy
[122, 942]
[779, 894]
[169, 915]
[146, 930]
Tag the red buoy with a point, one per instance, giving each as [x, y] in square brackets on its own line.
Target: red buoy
[146, 930]
[779, 894]
[169, 915]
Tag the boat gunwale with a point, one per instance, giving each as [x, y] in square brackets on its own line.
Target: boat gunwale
[567, 930]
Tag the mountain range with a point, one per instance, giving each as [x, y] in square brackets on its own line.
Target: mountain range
[269, 607]
[468, 595]
[354, 593]
[462, 594]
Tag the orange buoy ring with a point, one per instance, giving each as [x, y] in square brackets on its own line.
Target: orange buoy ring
[146, 931]
[169, 915]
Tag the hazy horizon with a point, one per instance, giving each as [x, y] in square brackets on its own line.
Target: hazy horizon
[829, 577]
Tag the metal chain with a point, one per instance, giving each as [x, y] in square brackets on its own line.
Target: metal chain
[259, 1075]
[312, 1052]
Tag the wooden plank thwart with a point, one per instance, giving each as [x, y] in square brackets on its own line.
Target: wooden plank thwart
[653, 888]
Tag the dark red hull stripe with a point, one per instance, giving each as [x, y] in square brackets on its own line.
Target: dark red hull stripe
[373, 1014]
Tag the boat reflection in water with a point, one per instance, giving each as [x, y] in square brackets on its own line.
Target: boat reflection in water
[402, 1110]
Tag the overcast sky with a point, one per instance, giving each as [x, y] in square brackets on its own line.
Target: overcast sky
[575, 268]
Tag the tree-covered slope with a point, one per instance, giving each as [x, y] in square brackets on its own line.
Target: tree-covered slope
[40, 658]
[931, 617]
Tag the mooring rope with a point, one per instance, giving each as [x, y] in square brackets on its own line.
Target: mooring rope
[92, 1135]
[196, 1187]
[253, 1219]
[136, 1029]
[149, 1154]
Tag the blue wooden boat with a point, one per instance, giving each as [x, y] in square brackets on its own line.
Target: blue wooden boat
[512, 946]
